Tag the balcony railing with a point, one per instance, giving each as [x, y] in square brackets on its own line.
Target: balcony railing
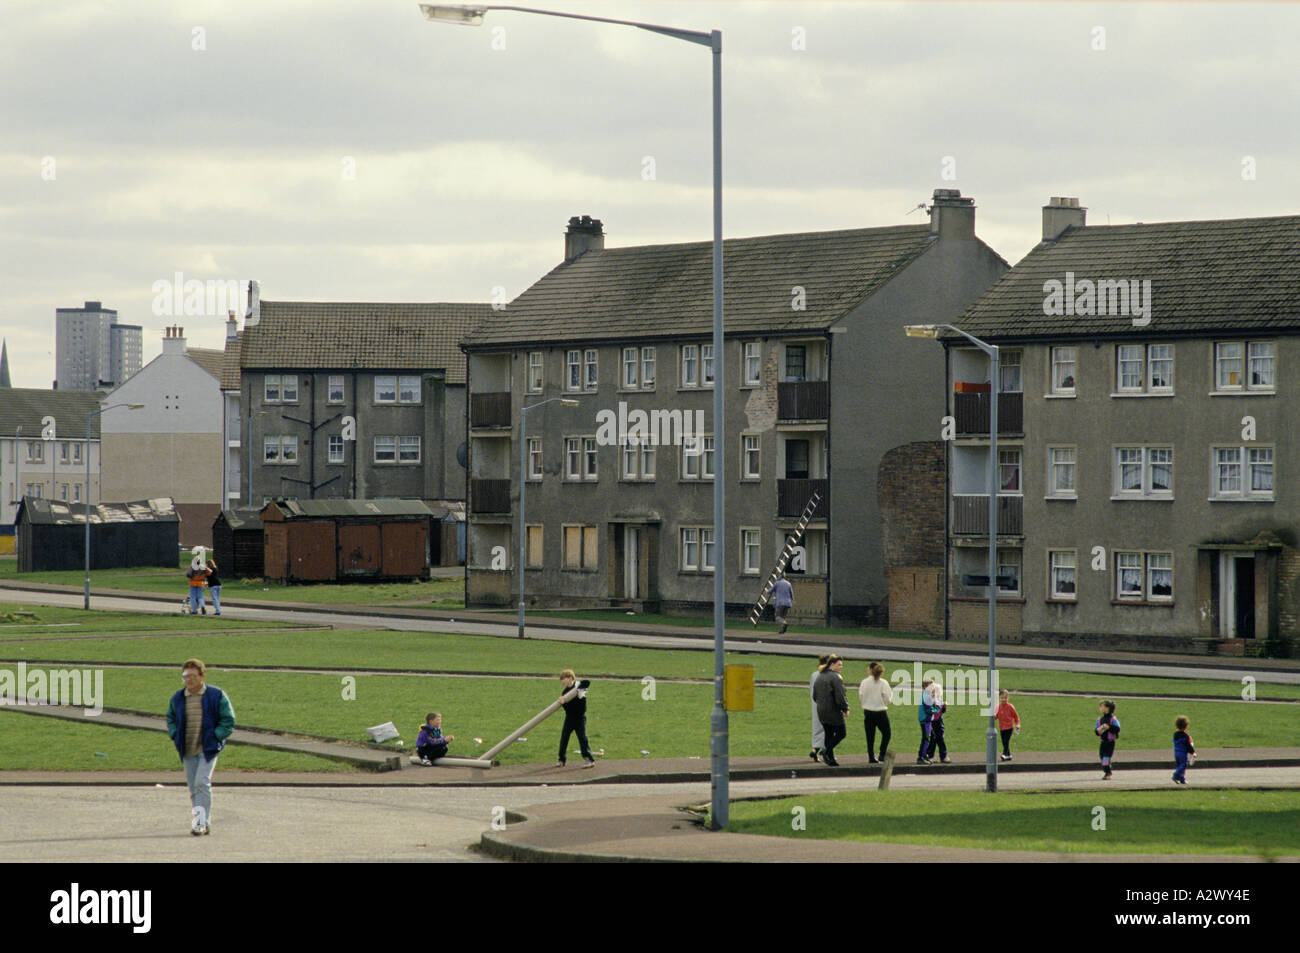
[972, 413]
[489, 409]
[803, 400]
[970, 515]
[489, 496]
[793, 495]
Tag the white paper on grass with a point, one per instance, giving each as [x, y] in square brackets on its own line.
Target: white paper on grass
[383, 732]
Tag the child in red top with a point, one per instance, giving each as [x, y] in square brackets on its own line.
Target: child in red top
[1008, 721]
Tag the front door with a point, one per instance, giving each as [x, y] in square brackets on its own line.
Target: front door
[631, 567]
[1237, 596]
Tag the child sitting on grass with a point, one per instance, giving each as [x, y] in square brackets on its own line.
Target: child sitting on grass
[1107, 729]
[431, 745]
[1184, 750]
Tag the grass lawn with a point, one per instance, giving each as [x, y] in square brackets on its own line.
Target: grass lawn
[1143, 822]
[674, 724]
[438, 592]
[702, 622]
[38, 743]
[417, 651]
[18, 620]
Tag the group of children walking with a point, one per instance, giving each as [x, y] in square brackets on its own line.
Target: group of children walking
[204, 577]
[876, 695]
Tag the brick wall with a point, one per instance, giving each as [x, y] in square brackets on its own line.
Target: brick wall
[911, 493]
[916, 599]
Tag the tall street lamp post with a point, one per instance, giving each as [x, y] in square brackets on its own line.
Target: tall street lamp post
[932, 331]
[86, 506]
[473, 16]
[523, 485]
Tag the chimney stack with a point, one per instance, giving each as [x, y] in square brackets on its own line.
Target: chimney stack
[951, 216]
[1061, 213]
[232, 327]
[173, 340]
[584, 234]
[254, 313]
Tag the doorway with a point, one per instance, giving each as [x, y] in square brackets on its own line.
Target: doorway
[631, 562]
[1237, 595]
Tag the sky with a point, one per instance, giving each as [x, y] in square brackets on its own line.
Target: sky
[349, 150]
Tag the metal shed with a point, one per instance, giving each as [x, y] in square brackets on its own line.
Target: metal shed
[448, 541]
[238, 543]
[52, 534]
[341, 540]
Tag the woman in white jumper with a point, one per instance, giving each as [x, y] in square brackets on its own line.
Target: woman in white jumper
[875, 695]
[818, 735]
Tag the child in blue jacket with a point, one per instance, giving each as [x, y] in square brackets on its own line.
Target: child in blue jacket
[430, 744]
[1184, 750]
[1107, 729]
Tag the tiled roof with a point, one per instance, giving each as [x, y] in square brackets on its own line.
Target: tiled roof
[25, 406]
[229, 376]
[1234, 275]
[344, 335]
[207, 358]
[651, 291]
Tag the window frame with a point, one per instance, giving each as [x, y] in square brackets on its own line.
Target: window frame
[411, 381]
[379, 381]
[392, 460]
[1055, 594]
[331, 381]
[708, 368]
[1054, 491]
[649, 358]
[1146, 365]
[1246, 468]
[535, 459]
[573, 459]
[403, 453]
[688, 368]
[590, 460]
[746, 451]
[573, 369]
[1145, 490]
[1063, 389]
[535, 363]
[266, 389]
[755, 379]
[631, 369]
[590, 369]
[1246, 360]
[336, 452]
[746, 547]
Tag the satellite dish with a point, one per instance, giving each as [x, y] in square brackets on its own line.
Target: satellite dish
[462, 456]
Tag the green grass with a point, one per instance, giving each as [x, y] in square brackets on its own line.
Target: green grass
[444, 592]
[702, 621]
[39, 743]
[18, 620]
[416, 651]
[673, 724]
[1142, 822]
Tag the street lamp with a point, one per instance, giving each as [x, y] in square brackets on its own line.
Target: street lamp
[932, 331]
[523, 483]
[719, 773]
[85, 512]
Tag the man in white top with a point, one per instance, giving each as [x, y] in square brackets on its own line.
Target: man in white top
[875, 695]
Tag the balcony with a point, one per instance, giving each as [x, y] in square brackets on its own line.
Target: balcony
[803, 400]
[970, 515]
[972, 413]
[489, 496]
[490, 409]
[793, 495]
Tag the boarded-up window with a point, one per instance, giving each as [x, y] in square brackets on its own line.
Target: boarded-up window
[534, 546]
[580, 547]
[589, 547]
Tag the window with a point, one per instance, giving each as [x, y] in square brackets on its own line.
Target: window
[648, 368]
[1008, 572]
[280, 449]
[631, 454]
[1060, 471]
[697, 459]
[1242, 473]
[385, 449]
[572, 458]
[573, 370]
[334, 392]
[749, 552]
[76, 492]
[631, 368]
[408, 449]
[335, 449]
[385, 389]
[589, 471]
[534, 548]
[638, 460]
[36, 489]
[1009, 471]
[1144, 577]
[408, 389]
[1144, 368]
[63, 454]
[1009, 372]
[591, 376]
[35, 451]
[1063, 367]
[1144, 472]
[1061, 572]
[752, 372]
[289, 388]
[706, 460]
[1231, 375]
[580, 547]
[534, 458]
[63, 491]
[796, 362]
[749, 456]
[76, 453]
[690, 366]
[706, 360]
[271, 389]
[697, 549]
[534, 372]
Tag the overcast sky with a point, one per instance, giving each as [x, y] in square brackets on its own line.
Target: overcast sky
[349, 150]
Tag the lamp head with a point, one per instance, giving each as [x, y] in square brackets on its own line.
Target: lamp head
[444, 13]
[921, 330]
[566, 402]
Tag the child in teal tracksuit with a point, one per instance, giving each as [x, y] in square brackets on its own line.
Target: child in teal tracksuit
[1184, 750]
[1107, 729]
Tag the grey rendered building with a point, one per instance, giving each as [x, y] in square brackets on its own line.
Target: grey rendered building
[1146, 442]
[820, 381]
[353, 400]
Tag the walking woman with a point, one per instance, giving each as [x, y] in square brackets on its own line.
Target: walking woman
[818, 736]
[832, 705]
[875, 694]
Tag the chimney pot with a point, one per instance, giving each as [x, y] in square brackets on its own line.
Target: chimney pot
[1061, 213]
[952, 216]
[584, 234]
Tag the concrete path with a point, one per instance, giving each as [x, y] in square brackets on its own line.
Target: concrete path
[865, 647]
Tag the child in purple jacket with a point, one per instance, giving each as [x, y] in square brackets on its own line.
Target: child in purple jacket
[431, 745]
